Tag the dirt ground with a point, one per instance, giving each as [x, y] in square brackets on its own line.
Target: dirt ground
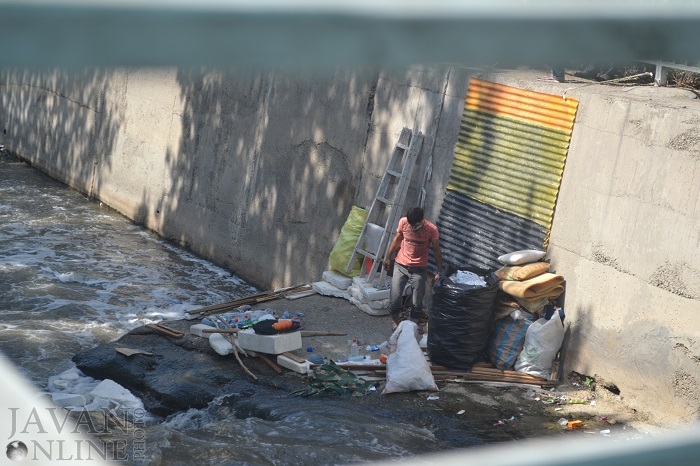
[509, 410]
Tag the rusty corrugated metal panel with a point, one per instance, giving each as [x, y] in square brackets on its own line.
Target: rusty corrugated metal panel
[507, 169]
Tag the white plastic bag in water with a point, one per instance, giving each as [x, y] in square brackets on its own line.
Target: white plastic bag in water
[407, 368]
[542, 342]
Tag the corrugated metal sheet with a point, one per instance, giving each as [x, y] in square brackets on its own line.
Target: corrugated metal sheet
[507, 169]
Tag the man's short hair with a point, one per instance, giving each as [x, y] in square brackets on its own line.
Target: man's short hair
[414, 215]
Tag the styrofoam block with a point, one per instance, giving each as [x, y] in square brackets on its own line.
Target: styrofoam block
[292, 365]
[328, 289]
[365, 308]
[356, 294]
[197, 329]
[373, 294]
[220, 344]
[269, 344]
[68, 399]
[111, 390]
[360, 282]
[336, 279]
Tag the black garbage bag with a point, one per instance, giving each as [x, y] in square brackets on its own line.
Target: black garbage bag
[460, 319]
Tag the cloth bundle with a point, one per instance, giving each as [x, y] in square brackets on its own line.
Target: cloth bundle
[547, 285]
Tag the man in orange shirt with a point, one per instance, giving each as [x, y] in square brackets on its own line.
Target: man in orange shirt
[410, 246]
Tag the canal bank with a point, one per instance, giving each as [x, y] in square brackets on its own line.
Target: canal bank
[229, 165]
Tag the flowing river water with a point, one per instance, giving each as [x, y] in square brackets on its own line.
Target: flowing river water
[74, 274]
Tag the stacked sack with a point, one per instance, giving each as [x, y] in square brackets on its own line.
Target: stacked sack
[527, 290]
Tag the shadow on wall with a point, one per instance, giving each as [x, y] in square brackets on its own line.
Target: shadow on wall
[266, 168]
[63, 120]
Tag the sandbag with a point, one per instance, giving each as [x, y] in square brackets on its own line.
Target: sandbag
[460, 320]
[345, 245]
[547, 285]
[507, 340]
[522, 272]
[406, 367]
[524, 256]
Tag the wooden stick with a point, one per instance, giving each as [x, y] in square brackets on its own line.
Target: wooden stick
[220, 330]
[319, 333]
[251, 299]
[235, 349]
[167, 331]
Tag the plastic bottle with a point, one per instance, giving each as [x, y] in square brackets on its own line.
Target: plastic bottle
[354, 349]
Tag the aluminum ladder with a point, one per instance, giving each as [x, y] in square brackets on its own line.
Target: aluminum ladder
[387, 207]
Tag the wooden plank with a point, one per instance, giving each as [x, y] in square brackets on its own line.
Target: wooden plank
[270, 363]
[131, 351]
[220, 330]
[167, 331]
[294, 357]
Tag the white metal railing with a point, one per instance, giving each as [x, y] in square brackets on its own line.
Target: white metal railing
[663, 67]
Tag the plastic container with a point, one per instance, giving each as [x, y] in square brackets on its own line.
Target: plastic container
[354, 349]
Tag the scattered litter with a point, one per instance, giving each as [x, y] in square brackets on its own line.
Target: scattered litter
[563, 421]
[603, 418]
[433, 397]
[309, 349]
[373, 389]
[499, 423]
[593, 403]
[558, 409]
[572, 425]
[461, 411]
[300, 314]
[316, 359]
[605, 432]
[285, 315]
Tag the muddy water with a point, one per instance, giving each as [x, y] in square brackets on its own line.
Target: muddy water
[74, 274]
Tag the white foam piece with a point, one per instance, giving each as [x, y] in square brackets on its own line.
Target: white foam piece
[328, 289]
[292, 365]
[366, 308]
[68, 399]
[112, 391]
[372, 294]
[336, 279]
[269, 344]
[220, 344]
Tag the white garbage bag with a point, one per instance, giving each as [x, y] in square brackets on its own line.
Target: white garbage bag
[542, 342]
[406, 367]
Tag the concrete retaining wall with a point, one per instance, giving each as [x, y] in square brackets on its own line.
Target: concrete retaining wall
[258, 174]
[625, 236]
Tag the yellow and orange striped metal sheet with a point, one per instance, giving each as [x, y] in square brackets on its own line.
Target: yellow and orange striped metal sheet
[507, 169]
[512, 148]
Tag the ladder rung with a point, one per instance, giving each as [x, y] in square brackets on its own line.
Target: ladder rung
[401, 146]
[365, 253]
[393, 173]
[385, 200]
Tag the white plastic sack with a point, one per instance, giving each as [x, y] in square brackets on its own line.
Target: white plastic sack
[522, 257]
[406, 367]
[542, 342]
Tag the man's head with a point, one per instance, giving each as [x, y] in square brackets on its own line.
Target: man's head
[415, 218]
